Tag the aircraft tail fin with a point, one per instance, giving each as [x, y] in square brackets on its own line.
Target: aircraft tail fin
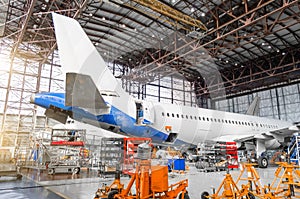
[254, 107]
[79, 56]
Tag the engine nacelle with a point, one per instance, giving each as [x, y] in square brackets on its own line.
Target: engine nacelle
[272, 144]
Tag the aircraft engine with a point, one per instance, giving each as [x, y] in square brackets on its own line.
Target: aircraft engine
[272, 144]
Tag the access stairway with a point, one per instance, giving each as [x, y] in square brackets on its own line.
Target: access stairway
[294, 149]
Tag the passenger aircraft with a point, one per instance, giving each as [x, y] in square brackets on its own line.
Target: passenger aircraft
[94, 96]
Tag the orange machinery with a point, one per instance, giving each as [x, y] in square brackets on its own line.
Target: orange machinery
[151, 181]
[229, 188]
[109, 191]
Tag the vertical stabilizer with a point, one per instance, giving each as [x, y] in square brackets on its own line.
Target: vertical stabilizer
[254, 107]
[78, 55]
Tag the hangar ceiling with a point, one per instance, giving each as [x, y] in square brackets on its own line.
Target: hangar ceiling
[240, 45]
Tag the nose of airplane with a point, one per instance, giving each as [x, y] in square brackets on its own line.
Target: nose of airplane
[32, 98]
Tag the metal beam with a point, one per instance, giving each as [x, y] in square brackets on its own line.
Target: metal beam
[172, 13]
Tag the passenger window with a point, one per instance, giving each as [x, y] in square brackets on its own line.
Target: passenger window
[163, 114]
[195, 118]
[199, 118]
[177, 115]
[187, 117]
[168, 114]
[172, 114]
[191, 117]
[207, 119]
[182, 116]
[225, 121]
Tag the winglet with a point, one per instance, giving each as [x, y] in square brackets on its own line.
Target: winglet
[254, 107]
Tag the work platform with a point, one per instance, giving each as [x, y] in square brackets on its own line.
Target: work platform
[83, 185]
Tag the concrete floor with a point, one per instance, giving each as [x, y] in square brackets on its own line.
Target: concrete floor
[84, 185]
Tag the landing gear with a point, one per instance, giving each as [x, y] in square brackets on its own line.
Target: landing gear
[262, 162]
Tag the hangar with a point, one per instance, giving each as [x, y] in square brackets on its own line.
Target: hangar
[210, 54]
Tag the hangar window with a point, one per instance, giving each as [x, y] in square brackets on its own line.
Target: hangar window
[172, 114]
[163, 114]
[177, 115]
[168, 114]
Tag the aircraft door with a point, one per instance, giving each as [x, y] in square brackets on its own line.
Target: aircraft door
[143, 113]
[148, 113]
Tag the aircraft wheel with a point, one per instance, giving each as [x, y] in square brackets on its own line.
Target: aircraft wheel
[204, 195]
[263, 162]
[186, 196]
[112, 194]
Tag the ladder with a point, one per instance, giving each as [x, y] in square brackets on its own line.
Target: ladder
[294, 149]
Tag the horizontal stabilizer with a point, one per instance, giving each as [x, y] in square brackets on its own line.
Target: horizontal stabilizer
[81, 91]
[57, 114]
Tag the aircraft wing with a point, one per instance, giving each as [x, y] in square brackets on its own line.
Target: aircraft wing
[286, 131]
[278, 134]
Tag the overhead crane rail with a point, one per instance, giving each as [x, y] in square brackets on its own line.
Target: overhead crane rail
[172, 13]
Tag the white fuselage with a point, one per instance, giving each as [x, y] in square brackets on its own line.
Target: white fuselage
[195, 125]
